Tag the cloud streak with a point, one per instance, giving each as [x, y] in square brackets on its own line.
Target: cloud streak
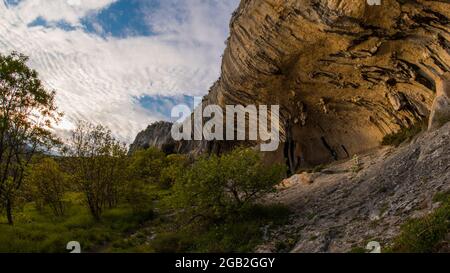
[97, 78]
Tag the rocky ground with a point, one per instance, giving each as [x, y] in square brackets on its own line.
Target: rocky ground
[349, 203]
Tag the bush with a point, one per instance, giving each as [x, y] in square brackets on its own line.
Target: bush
[47, 184]
[136, 194]
[97, 162]
[175, 164]
[146, 165]
[218, 188]
[149, 173]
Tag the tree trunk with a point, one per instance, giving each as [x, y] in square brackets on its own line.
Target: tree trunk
[9, 211]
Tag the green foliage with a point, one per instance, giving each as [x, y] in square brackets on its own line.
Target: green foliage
[27, 114]
[47, 184]
[97, 162]
[98, 196]
[241, 234]
[405, 134]
[39, 232]
[217, 188]
[174, 166]
[217, 203]
[148, 169]
[425, 235]
[146, 165]
[137, 194]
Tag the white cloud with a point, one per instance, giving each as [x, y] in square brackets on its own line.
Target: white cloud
[96, 79]
[55, 10]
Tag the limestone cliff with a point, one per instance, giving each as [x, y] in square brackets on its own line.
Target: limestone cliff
[156, 135]
[344, 73]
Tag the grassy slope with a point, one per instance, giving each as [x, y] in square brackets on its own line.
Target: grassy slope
[36, 231]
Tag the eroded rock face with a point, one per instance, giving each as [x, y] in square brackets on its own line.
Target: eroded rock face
[344, 73]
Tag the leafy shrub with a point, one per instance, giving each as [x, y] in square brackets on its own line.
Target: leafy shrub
[147, 170]
[146, 165]
[97, 161]
[174, 166]
[217, 188]
[47, 185]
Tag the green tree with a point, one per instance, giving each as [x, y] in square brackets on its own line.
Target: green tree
[146, 170]
[27, 113]
[217, 188]
[48, 184]
[175, 164]
[146, 165]
[98, 164]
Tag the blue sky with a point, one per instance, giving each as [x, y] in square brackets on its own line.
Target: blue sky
[121, 19]
[122, 63]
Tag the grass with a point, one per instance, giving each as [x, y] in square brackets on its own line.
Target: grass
[241, 235]
[427, 234]
[405, 134]
[37, 232]
[123, 230]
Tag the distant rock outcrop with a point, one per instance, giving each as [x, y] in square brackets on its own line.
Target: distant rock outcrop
[156, 135]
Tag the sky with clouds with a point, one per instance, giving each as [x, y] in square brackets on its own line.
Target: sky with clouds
[121, 63]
